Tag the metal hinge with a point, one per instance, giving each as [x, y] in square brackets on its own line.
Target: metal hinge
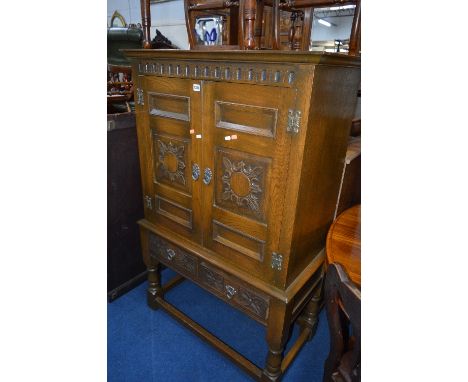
[110, 125]
[294, 120]
[148, 202]
[140, 98]
[276, 261]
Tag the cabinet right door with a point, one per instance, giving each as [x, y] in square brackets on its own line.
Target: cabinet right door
[245, 167]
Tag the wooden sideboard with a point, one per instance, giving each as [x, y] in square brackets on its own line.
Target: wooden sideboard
[241, 158]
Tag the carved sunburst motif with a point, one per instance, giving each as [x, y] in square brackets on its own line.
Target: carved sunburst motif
[167, 150]
[250, 198]
[257, 304]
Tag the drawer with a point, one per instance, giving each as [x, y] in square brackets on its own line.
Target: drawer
[253, 303]
[173, 256]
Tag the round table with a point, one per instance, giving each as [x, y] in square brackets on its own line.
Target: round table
[344, 243]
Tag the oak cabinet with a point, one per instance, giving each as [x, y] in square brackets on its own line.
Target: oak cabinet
[241, 156]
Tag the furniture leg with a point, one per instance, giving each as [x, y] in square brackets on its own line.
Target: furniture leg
[259, 24]
[307, 28]
[279, 324]
[309, 316]
[337, 332]
[292, 29]
[355, 38]
[250, 12]
[154, 285]
[298, 28]
[146, 23]
[343, 302]
[276, 25]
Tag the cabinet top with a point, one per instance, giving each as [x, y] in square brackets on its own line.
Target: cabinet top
[246, 55]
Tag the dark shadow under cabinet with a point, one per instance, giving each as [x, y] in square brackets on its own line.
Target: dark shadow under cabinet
[125, 267]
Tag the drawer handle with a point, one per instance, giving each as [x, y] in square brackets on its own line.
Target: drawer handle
[170, 254]
[207, 175]
[230, 291]
[195, 171]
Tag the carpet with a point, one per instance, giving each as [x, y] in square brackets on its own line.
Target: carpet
[149, 346]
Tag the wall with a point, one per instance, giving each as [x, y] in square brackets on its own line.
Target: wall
[167, 17]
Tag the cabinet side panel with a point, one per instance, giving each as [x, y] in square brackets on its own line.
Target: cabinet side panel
[333, 101]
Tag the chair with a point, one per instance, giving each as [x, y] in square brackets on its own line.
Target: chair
[343, 305]
[300, 17]
[349, 193]
[159, 41]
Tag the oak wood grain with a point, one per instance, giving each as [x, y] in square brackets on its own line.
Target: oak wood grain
[268, 131]
[316, 173]
[344, 243]
[248, 56]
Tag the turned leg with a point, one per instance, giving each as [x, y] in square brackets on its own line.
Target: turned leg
[309, 316]
[154, 285]
[259, 24]
[146, 23]
[279, 324]
[250, 11]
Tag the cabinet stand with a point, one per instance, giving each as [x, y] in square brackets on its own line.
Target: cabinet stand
[278, 329]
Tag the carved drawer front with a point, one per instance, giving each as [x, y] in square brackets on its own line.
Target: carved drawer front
[172, 255]
[253, 303]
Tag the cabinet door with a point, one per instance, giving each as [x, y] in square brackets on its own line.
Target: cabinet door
[246, 147]
[174, 155]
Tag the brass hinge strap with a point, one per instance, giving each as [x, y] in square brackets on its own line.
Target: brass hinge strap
[276, 261]
[294, 121]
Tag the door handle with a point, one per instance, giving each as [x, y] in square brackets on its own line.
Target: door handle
[207, 175]
[195, 171]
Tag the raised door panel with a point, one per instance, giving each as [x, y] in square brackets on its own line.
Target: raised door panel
[174, 154]
[246, 147]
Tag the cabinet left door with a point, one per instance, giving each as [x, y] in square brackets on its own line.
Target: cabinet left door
[169, 162]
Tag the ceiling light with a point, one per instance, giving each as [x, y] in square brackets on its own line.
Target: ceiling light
[323, 22]
[342, 7]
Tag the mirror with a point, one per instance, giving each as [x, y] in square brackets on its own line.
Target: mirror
[331, 28]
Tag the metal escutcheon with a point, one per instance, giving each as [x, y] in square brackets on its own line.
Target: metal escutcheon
[230, 291]
[207, 176]
[148, 202]
[195, 171]
[170, 253]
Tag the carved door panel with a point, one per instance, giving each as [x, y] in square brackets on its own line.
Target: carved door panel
[246, 147]
[174, 154]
